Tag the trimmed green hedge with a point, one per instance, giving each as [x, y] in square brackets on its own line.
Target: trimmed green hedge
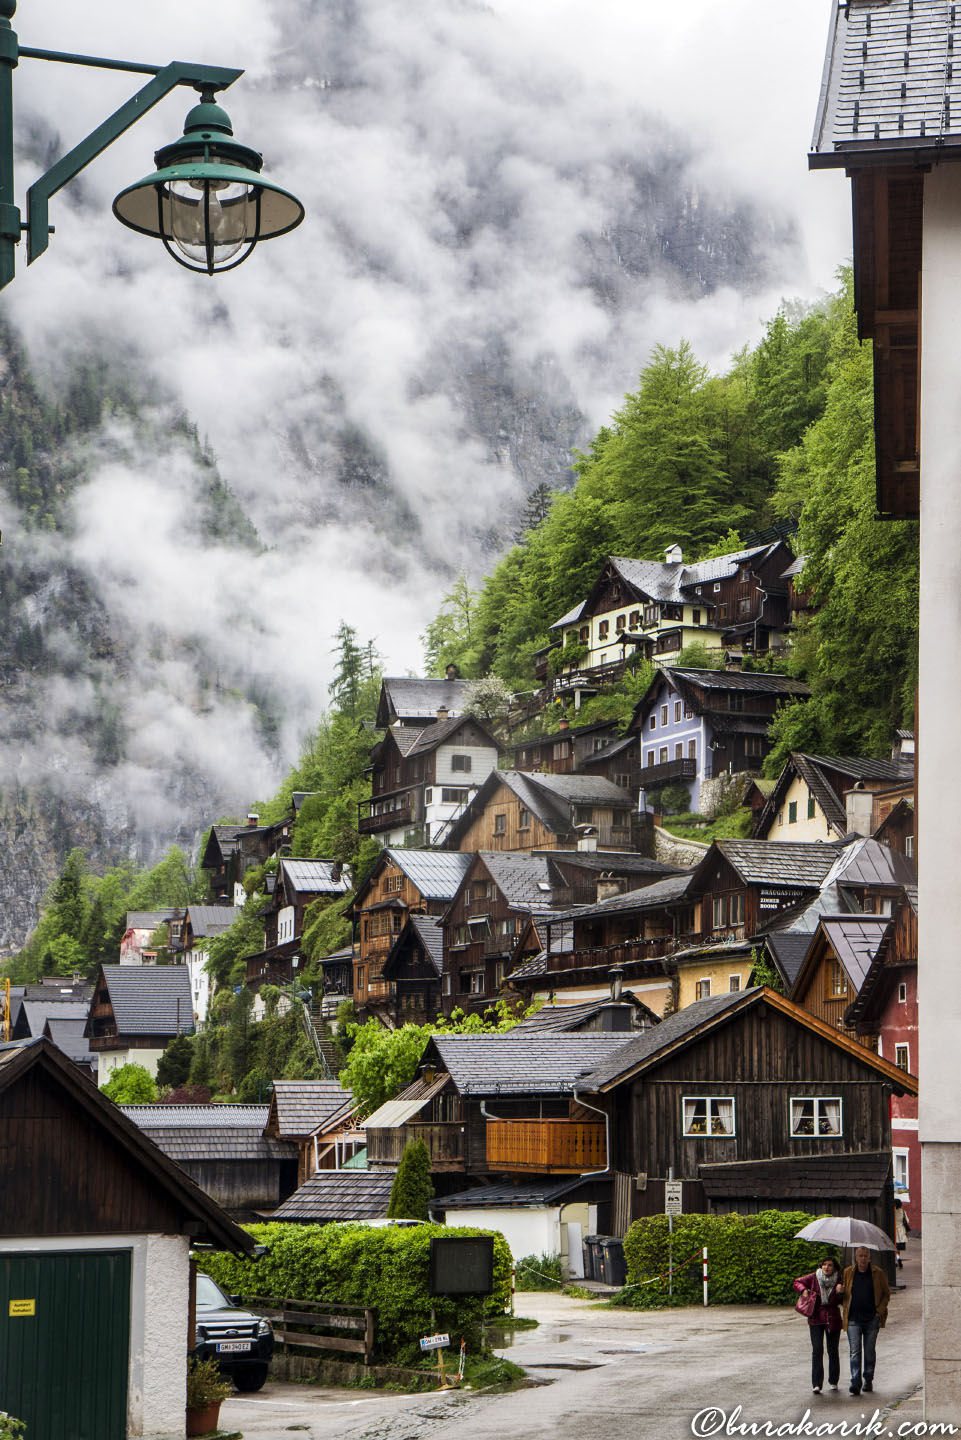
[750, 1258]
[386, 1268]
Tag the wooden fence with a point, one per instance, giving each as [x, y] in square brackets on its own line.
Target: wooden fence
[296, 1322]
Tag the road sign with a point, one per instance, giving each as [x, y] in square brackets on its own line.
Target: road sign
[673, 1197]
[434, 1342]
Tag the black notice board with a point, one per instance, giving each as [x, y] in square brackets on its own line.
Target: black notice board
[462, 1265]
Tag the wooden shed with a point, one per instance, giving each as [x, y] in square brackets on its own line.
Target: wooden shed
[96, 1225]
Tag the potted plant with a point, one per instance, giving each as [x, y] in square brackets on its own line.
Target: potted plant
[206, 1391]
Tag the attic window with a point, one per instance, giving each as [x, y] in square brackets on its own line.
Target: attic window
[460, 762]
[500, 823]
[523, 819]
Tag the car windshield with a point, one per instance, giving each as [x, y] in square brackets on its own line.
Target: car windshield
[209, 1295]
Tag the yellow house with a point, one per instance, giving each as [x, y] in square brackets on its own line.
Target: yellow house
[712, 970]
[824, 797]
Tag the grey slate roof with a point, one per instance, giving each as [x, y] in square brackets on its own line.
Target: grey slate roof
[500, 1197]
[302, 1105]
[788, 949]
[315, 877]
[430, 932]
[771, 862]
[891, 83]
[570, 617]
[645, 1045]
[436, 873]
[209, 920]
[38, 1012]
[557, 1019]
[521, 878]
[404, 698]
[210, 1132]
[422, 739]
[871, 863]
[145, 999]
[748, 681]
[611, 862]
[813, 770]
[150, 919]
[68, 1036]
[544, 1064]
[855, 940]
[662, 892]
[332, 1196]
[856, 1176]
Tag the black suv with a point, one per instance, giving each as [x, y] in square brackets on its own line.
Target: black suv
[240, 1342]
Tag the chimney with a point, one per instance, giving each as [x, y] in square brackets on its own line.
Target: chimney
[252, 820]
[610, 885]
[673, 555]
[564, 723]
[859, 808]
[441, 713]
[336, 870]
[617, 981]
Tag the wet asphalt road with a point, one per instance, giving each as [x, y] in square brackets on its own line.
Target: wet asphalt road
[619, 1375]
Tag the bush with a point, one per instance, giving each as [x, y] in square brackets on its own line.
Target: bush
[412, 1190]
[751, 1258]
[387, 1269]
[538, 1272]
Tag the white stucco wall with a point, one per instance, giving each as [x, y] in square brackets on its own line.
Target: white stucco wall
[537, 1230]
[110, 1060]
[159, 1286]
[939, 696]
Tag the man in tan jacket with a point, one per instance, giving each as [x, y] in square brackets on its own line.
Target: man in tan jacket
[864, 1310]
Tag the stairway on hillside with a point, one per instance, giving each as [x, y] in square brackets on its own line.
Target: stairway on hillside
[325, 1044]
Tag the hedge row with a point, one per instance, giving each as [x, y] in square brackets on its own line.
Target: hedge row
[387, 1269]
[751, 1258]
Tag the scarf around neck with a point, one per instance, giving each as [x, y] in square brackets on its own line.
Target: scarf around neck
[825, 1285]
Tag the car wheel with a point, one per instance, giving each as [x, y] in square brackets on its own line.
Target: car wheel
[250, 1379]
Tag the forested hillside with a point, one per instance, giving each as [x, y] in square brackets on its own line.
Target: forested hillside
[702, 460]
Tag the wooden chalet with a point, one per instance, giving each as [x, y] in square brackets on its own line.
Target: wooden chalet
[221, 860]
[895, 827]
[135, 1013]
[319, 1118]
[406, 701]
[414, 970]
[516, 811]
[299, 883]
[825, 797]
[224, 1149]
[498, 1105]
[741, 886]
[752, 1104]
[96, 1225]
[564, 750]
[423, 776]
[696, 725]
[402, 882]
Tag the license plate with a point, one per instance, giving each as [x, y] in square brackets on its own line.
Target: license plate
[230, 1347]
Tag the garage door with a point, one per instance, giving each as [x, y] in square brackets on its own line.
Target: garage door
[64, 1342]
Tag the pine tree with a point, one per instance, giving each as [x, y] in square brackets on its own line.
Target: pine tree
[412, 1188]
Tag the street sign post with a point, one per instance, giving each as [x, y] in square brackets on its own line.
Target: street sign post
[673, 1197]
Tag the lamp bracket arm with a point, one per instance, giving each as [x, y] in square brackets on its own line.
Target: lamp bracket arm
[70, 165]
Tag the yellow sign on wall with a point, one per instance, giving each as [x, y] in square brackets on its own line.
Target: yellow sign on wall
[23, 1307]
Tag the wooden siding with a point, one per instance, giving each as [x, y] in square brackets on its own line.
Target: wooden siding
[482, 833]
[446, 1142]
[63, 1173]
[546, 1146]
[390, 884]
[762, 1060]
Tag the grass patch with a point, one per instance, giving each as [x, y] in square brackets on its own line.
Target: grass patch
[735, 826]
[514, 1322]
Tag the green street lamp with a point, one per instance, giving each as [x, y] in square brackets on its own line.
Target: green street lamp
[206, 201]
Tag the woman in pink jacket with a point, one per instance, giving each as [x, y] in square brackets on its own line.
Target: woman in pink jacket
[825, 1321]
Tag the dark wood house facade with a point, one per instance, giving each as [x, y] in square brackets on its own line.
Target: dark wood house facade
[517, 811]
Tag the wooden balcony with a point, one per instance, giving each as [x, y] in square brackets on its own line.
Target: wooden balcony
[547, 1146]
[667, 772]
[445, 1142]
[624, 952]
[390, 820]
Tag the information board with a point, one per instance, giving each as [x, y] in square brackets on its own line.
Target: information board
[673, 1197]
[462, 1266]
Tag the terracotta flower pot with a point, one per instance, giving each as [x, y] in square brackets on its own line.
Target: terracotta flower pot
[201, 1422]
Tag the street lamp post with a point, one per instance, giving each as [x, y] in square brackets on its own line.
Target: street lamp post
[206, 201]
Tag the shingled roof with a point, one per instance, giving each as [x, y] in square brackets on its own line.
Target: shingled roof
[436, 873]
[860, 1176]
[428, 930]
[314, 877]
[549, 798]
[332, 1196]
[671, 889]
[403, 698]
[817, 772]
[511, 1064]
[512, 1196]
[210, 1132]
[423, 739]
[148, 999]
[298, 1107]
[797, 864]
[209, 920]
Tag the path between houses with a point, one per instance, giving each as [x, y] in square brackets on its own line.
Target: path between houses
[619, 1375]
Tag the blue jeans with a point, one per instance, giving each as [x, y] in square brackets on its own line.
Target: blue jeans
[862, 1337]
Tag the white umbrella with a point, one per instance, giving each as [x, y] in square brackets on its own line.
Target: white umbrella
[845, 1230]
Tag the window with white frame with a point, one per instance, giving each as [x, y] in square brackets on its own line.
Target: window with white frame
[733, 983]
[453, 795]
[477, 982]
[710, 1115]
[718, 912]
[662, 754]
[902, 1182]
[428, 797]
[909, 846]
[902, 1057]
[812, 1115]
[664, 714]
[677, 711]
[652, 723]
[702, 989]
[649, 758]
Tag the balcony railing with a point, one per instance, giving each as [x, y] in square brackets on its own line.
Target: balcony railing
[445, 1143]
[628, 950]
[666, 772]
[546, 1146]
[389, 820]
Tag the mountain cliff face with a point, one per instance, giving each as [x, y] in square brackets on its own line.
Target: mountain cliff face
[199, 483]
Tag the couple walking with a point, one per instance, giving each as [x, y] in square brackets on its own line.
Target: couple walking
[856, 1302]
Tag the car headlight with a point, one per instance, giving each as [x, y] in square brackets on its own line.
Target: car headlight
[265, 1328]
[201, 1334]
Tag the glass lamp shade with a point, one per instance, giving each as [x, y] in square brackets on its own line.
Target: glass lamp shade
[209, 214]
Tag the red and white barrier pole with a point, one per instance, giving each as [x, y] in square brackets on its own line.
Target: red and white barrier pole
[513, 1273]
[704, 1271]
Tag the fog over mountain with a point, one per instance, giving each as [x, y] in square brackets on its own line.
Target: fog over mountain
[508, 205]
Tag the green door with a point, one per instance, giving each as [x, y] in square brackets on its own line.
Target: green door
[65, 1341]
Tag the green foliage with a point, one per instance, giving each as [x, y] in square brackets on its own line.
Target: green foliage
[228, 950]
[205, 1384]
[451, 637]
[412, 1190]
[672, 799]
[765, 972]
[356, 673]
[697, 656]
[751, 1258]
[573, 653]
[173, 1068]
[538, 1272]
[10, 1427]
[385, 1268]
[239, 1055]
[130, 1085]
[691, 826]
